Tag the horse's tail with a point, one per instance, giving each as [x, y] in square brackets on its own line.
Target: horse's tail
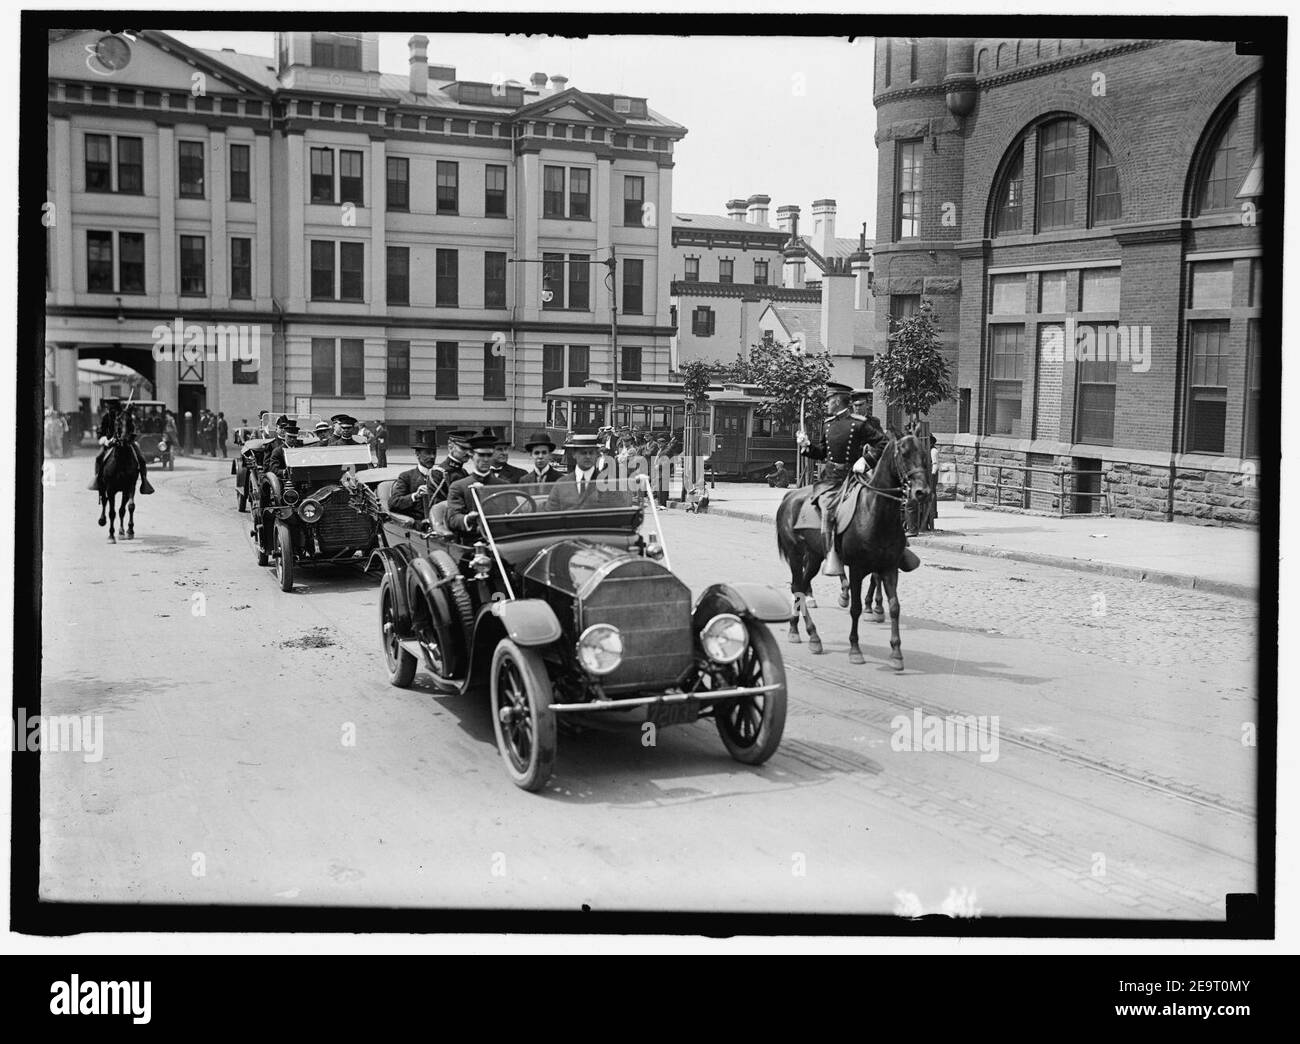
[786, 544]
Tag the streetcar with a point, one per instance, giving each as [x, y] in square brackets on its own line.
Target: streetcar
[739, 442]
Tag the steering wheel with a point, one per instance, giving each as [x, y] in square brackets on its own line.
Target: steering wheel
[525, 498]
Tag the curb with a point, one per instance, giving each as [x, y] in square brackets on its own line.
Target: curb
[1080, 565]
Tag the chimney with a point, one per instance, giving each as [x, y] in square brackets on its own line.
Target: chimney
[538, 80]
[860, 263]
[823, 238]
[758, 210]
[558, 83]
[837, 308]
[736, 209]
[419, 46]
[792, 269]
[787, 218]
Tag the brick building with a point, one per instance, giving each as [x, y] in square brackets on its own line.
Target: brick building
[361, 222]
[1083, 214]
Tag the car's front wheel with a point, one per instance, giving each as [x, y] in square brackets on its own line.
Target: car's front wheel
[751, 726]
[284, 564]
[401, 664]
[521, 714]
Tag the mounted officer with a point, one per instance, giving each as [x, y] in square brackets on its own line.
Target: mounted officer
[108, 430]
[846, 437]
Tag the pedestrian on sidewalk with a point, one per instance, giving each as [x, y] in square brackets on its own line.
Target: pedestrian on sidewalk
[223, 432]
[932, 504]
[778, 477]
[381, 443]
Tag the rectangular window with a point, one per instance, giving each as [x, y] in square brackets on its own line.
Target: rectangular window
[352, 367]
[322, 175]
[702, 322]
[1099, 290]
[448, 187]
[552, 192]
[692, 270]
[399, 183]
[553, 280]
[240, 176]
[131, 262]
[630, 364]
[398, 385]
[191, 159]
[907, 223]
[494, 279]
[335, 51]
[726, 271]
[579, 365]
[447, 374]
[1256, 282]
[1051, 292]
[241, 268]
[99, 262]
[1007, 295]
[350, 178]
[322, 270]
[579, 282]
[1250, 421]
[99, 163]
[633, 202]
[1207, 408]
[494, 372]
[194, 266]
[1211, 285]
[399, 275]
[322, 366]
[633, 285]
[494, 191]
[903, 306]
[1096, 400]
[552, 367]
[447, 278]
[1005, 359]
[243, 372]
[1105, 185]
[352, 279]
[1056, 175]
[760, 273]
[579, 193]
[130, 165]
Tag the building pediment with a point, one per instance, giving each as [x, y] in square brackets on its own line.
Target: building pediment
[571, 104]
[146, 59]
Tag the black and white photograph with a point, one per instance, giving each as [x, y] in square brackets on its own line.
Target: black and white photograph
[663, 467]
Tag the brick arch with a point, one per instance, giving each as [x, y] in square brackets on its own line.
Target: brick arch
[1201, 112]
[1057, 101]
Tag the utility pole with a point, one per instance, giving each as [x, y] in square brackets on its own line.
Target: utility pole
[613, 333]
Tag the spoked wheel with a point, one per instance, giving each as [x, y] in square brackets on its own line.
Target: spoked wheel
[259, 540]
[521, 714]
[401, 664]
[243, 497]
[751, 726]
[284, 564]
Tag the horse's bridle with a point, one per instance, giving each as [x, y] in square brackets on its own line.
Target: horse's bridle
[906, 480]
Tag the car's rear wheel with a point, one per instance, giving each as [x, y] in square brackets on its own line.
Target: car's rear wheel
[284, 564]
[243, 496]
[521, 714]
[751, 726]
[401, 664]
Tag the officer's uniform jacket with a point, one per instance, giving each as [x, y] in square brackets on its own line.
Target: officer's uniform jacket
[345, 440]
[843, 438]
[445, 475]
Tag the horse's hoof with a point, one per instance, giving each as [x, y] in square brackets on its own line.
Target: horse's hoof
[103, 521]
[878, 617]
[897, 665]
[844, 601]
[815, 646]
[795, 639]
[809, 602]
[855, 656]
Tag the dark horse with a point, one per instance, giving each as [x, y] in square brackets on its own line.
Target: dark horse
[118, 476]
[873, 543]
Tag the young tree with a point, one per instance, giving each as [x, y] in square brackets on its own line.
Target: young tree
[913, 370]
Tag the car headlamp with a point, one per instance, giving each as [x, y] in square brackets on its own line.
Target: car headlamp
[310, 511]
[600, 648]
[290, 495]
[724, 638]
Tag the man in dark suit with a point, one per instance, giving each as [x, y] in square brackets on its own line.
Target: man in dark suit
[413, 491]
[540, 447]
[462, 513]
[579, 488]
[286, 438]
[501, 466]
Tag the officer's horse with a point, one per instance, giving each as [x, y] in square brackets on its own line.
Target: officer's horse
[872, 545]
[117, 477]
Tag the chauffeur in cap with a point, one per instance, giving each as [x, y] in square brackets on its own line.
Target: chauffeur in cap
[462, 514]
[845, 438]
[452, 467]
[345, 427]
[541, 447]
[413, 491]
[286, 436]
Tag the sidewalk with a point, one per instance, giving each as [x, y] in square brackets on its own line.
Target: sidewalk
[1209, 558]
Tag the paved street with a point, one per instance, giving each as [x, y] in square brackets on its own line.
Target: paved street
[1121, 787]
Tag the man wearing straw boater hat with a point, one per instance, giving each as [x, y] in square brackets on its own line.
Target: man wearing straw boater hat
[579, 488]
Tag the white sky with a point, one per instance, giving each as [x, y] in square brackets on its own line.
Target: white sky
[790, 117]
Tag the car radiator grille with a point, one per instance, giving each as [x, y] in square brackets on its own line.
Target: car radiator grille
[653, 613]
[340, 526]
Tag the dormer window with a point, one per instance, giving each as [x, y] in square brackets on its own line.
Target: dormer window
[336, 51]
[630, 107]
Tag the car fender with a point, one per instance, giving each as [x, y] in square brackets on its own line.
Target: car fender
[528, 621]
[746, 600]
[394, 566]
[420, 576]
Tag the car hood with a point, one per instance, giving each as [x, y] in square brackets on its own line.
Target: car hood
[575, 566]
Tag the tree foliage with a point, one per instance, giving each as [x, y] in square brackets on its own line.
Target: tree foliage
[696, 377]
[913, 370]
[791, 379]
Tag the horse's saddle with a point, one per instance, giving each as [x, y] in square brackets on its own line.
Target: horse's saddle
[810, 515]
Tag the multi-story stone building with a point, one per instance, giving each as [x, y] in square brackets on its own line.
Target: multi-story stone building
[421, 248]
[1083, 215]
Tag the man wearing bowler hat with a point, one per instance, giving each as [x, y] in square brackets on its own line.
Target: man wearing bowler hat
[413, 491]
[501, 466]
[540, 447]
[462, 512]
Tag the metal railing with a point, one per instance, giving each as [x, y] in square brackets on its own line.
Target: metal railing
[1021, 494]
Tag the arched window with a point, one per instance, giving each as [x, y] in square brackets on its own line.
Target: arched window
[1008, 207]
[1057, 180]
[1104, 200]
[981, 61]
[1002, 55]
[1217, 184]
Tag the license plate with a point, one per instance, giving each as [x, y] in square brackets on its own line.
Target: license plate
[683, 713]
